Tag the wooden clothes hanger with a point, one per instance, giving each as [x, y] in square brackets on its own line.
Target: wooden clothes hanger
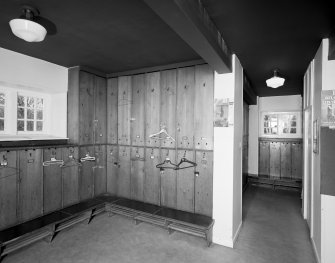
[87, 158]
[71, 161]
[53, 161]
[184, 160]
[167, 164]
[160, 133]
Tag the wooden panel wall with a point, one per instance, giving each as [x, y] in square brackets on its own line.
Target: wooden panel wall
[297, 160]
[124, 110]
[112, 169]
[264, 158]
[137, 173]
[275, 159]
[123, 189]
[100, 110]
[99, 170]
[168, 181]
[86, 174]
[112, 110]
[152, 176]
[285, 160]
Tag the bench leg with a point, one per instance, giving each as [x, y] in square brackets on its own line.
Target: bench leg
[209, 237]
[90, 216]
[1, 251]
[52, 233]
[170, 230]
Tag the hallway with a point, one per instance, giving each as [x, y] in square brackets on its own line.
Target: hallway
[273, 231]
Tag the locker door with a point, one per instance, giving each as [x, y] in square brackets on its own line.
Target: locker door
[31, 184]
[168, 105]
[124, 110]
[70, 173]
[296, 160]
[264, 158]
[86, 107]
[204, 183]
[112, 169]
[275, 160]
[86, 174]
[185, 108]
[124, 172]
[152, 176]
[203, 107]
[185, 184]
[112, 110]
[99, 170]
[152, 108]
[137, 173]
[285, 160]
[100, 103]
[9, 175]
[168, 181]
[52, 181]
[138, 110]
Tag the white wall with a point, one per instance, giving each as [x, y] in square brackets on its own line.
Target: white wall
[253, 140]
[280, 103]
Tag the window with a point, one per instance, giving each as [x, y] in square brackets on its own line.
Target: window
[2, 111]
[29, 114]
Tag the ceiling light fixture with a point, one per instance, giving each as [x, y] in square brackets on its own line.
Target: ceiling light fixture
[25, 28]
[275, 81]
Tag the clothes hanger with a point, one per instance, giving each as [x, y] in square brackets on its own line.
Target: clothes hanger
[184, 160]
[4, 166]
[167, 164]
[71, 161]
[87, 158]
[160, 133]
[53, 161]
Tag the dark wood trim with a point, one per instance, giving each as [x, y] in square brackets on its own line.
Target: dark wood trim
[331, 48]
[249, 96]
[157, 68]
[30, 144]
[279, 139]
[91, 70]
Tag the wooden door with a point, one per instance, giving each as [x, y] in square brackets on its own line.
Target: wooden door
[204, 183]
[168, 105]
[99, 170]
[112, 110]
[264, 158]
[204, 107]
[285, 160]
[9, 174]
[86, 173]
[124, 172]
[168, 181]
[124, 110]
[185, 108]
[70, 174]
[152, 177]
[112, 169]
[138, 110]
[185, 183]
[100, 104]
[137, 173]
[31, 184]
[275, 160]
[296, 160]
[52, 181]
[152, 108]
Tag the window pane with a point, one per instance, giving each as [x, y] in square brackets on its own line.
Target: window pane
[39, 103]
[293, 130]
[30, 126]
[40, 115]
[20, 101]
[2, 124]
[20, 113]
[20, 125]
[39, 125]
[2, 99]
[30, 114]
[293, 124]
[2, 112]
[30, 102]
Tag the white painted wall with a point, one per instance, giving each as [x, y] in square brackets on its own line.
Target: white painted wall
[280, 103]
[253, 140]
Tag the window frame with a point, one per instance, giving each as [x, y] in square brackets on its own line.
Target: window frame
[5, 117]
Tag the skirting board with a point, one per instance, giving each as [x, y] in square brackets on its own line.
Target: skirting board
[227, 242]
[318, 260]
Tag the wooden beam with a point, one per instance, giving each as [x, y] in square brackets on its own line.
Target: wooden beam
[190, 20]
[249, 95]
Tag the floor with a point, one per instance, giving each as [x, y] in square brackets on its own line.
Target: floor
[273, 231]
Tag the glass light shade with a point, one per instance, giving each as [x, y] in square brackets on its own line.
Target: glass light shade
[28, 30]
[275, 82]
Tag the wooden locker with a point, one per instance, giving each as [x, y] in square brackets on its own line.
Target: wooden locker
[204, 107]
[264, 158]
[296, 160]
[70, 174]
[285, 160]
[112, 110]
[168, 180]
[31, 184]
[152, 108]
[86, 173]
[99, 170]
[275, 160]
[123, 189]
[168, 105]
[204, 183]
[152, 177]
[52, 181]
[185, 108]
[185, 183]
[124, 110]
[100, 111]
[137, 173]
[86, 107]
[112, 169]
[138, 110]
[9, 174]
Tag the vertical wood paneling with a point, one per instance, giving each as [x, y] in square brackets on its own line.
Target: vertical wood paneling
[185, 108]
[275, 159]
[168, 105]
[137, 173]
[185, 183]
[52, 181]
[100, 104]
[73, 106]
[138, 110]
[124, 110]
[86, 174]
[70, 173]
[112, 169]
[203, 107]
[152, 176]
[152, 107]
[99, 170]
[204, 183]
[168, 181]
[264, 159]
[112, 110]
[124, 172]
[31, 184]
[9, 175]
[285, 160]
[296, 160]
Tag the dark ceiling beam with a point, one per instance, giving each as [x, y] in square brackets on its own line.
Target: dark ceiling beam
[190, 20]
[331, 52]
[249, 95]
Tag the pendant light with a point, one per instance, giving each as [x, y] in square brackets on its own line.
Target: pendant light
[275, 81]
[26, 28]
